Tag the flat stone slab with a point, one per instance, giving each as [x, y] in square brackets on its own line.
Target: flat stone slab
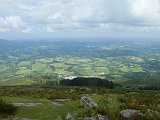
[27, 104]
[20, 119]
[60, 102]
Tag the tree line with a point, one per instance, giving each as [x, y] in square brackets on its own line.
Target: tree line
[93, 82]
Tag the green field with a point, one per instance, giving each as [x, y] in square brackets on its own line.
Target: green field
[120, 61]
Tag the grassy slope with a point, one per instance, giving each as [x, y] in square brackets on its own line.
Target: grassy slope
[112, 102]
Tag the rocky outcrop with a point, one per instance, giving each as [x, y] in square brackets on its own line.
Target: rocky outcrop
[99, 117]
[87, 102]
[89, 118]
[103, 117]
[69, 117]
[129, 113]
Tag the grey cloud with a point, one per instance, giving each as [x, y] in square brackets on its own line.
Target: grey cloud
[85, 14]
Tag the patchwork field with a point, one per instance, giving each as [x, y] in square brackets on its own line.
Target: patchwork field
[108, 59]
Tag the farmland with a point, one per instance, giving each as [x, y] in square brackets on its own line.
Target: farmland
[29, 62]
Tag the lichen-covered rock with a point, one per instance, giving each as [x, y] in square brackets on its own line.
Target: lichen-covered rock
[87, 102]
[69, 117]
[103, 117]
[129, 113]
[89, 118]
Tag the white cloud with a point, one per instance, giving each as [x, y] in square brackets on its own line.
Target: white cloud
[146, 10]
[13, 23]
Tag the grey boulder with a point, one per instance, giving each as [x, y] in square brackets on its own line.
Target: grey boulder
[103, 117]
[87, 102]
[129, 113]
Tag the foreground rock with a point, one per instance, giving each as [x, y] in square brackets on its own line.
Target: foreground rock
[89, 118]
[87, 102]
[102, 117]
[129, 113]
[69, 117]
[99, 117]
[27, 104]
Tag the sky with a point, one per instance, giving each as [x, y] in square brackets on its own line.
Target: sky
[35, 19]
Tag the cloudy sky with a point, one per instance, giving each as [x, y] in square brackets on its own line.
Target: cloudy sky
[79, 18]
